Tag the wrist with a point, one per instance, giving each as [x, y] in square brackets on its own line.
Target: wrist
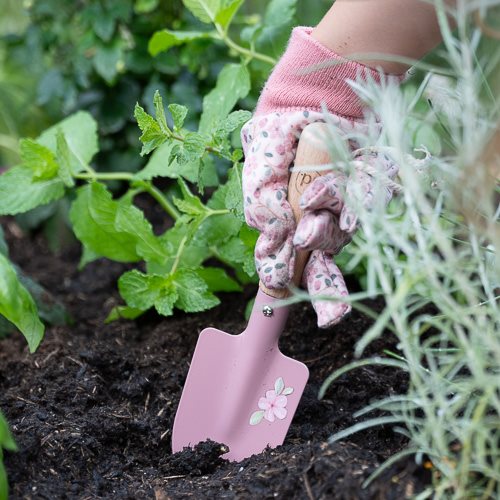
[310, 76]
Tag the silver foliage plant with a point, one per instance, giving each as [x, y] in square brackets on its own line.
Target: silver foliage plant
[433, 256]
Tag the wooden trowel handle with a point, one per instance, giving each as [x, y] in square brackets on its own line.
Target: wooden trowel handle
[312, 150]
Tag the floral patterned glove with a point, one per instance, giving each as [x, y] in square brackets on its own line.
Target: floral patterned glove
[292, 99]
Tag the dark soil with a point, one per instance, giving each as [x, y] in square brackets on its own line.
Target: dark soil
[92, 410]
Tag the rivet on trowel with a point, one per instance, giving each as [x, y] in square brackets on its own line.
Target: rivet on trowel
[267, 311]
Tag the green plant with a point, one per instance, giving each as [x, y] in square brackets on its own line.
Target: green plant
[6, 443]
[434, 258]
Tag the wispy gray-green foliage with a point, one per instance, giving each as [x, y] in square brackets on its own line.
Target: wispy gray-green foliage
[434, 258]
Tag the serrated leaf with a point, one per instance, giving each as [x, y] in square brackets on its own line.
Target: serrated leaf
[166, 300]
[4, 249]
[107, 58]
[217, 280]
[240, 250]
[165, 39]
[17, 305]
[161, 164]
[193, 292]
[234, 191]
[160, 112]
[256, 417]
[233, 121]
[152, 135]
[195, 143]
[278, 21]
[140, 290]
[205, 10]
[131, 220]
[93, 215]
[279, 385]
[39, 159]
[227, 11]
[178, 113]
[232, 85]
[80, 132]
[123, 312]
[64, 158]
[189, 204]
[19, 192]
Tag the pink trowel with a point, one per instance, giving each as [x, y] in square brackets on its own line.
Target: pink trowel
[241, 390]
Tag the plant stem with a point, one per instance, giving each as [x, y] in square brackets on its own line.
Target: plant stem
[105, 176]
[145, 185]
[242, 50]
[161, 199]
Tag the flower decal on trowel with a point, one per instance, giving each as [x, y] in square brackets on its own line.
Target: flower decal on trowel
[273, 405]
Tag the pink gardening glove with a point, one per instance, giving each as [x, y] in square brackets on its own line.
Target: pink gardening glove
[291, 100]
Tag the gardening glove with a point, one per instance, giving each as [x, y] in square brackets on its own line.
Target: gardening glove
[293, 98]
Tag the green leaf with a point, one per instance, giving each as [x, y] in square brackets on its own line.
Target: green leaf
[278, 21]
[93, 215]
[131, 220]
[161, 164]
[232, 122]
[166, 300]
[64, 159]
[227, 12]
[205, 10]
[19, 192]
[160, 112]
[145, 6]
[233, 84]
[165, 39]
[152, 135]
[6, 440]
[17, 305]
[217, 280]
[39, 159]
[123, 312]
[4, 249]
[234, 192]
[80, 132]
[193, 294]
[140, 290]
[240, 249]
[178, 113]
[189, 204]
[107, 59]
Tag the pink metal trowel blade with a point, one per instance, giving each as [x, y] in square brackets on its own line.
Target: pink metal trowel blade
[241, 390]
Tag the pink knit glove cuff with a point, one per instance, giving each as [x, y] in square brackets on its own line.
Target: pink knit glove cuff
[310, 75]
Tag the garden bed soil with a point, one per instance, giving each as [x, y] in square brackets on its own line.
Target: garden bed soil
[92, 409]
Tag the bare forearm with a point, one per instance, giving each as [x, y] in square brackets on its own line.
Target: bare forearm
[406, 28]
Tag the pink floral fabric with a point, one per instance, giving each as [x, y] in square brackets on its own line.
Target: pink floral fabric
[270, 143]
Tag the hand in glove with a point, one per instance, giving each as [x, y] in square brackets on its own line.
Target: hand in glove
[293, 98]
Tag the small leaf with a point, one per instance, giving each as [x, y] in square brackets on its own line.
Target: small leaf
[64, 158]
[257, 417]
[227, 12]
[107, 59]
[123, 312]
[233, 121]
[140, 290]
[279, 385]
[193, 292]
[39, 159]
[217, 280]
[160, 112]
[19, 192]
[165, 39]
[205, 10]
[234, 191]
[152, 135]
[17, 305]
[178, 113]
[287, 391]
[80, 133]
